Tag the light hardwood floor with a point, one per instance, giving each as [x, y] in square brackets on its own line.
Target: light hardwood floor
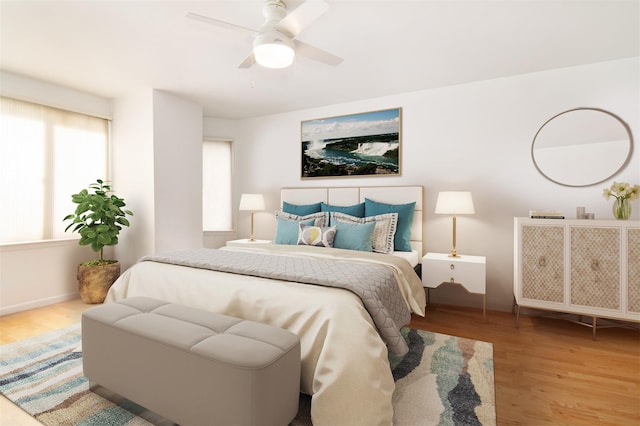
[547, 371]
[23, 325]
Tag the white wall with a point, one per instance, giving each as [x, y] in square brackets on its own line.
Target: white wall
[474, 136]
[44, 93]
[177, 131]
[133, 172]
[38, 274]
[157, 169]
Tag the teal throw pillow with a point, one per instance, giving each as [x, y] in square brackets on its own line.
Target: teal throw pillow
[402, 239]
[354, 236]
[300, 210]
[356, 210]
[287, 230]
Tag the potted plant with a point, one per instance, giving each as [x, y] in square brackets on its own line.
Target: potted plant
[98, 219]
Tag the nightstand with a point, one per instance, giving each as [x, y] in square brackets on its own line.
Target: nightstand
[245, 242]
[468, 271]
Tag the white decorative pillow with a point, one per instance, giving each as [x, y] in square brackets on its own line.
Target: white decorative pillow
[384, 230]
[319, 236]
[321, 218]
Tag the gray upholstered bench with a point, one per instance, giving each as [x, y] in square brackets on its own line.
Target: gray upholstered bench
[192, 366]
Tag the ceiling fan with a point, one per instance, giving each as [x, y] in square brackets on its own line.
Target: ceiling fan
[275, 44]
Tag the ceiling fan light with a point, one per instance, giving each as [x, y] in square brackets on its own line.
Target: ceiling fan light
[273, 50]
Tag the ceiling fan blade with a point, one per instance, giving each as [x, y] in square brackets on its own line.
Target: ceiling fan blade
[248, 62]
[219, 23]
[317, 54]
[302, 16]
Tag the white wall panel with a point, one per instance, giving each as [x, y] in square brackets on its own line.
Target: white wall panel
[343, 196]
[311, 196]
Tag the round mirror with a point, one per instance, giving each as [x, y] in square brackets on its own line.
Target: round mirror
[582, 147]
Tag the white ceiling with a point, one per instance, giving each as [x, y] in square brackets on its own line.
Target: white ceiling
[110, 48]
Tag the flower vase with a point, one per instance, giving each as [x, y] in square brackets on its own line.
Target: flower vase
[621, 209]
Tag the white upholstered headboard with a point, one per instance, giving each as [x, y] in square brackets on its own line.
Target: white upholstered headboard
[346, 196]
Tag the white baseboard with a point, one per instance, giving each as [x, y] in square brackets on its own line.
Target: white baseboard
[6, 310]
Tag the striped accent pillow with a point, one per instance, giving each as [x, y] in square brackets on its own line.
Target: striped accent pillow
[320, 218]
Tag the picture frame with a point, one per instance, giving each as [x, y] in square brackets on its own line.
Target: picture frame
[356, 145]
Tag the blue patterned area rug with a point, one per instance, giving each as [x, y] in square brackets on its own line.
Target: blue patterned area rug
[443, 380]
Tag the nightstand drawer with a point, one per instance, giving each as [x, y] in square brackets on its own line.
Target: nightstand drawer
[469, 271]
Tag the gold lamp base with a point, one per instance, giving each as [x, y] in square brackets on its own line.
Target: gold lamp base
[454, 252]
[252, 238]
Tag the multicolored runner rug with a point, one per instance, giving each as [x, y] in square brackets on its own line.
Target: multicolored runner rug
[443, 380]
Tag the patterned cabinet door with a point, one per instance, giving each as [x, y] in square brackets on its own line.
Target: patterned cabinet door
[595, 267]
[543, 263]
[633, 262]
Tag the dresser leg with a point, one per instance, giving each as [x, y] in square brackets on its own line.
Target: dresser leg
[517, 316]
[594, 326]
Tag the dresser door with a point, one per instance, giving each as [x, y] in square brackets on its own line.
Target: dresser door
[595, 267]
[633, 270]
[542, 276]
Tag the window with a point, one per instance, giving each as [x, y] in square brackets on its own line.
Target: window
[216, 185]
[46, 155]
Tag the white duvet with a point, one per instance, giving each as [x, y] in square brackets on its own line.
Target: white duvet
[344, 361]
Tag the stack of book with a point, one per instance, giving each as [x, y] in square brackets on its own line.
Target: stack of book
[545, 214]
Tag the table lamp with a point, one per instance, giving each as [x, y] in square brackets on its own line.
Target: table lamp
[252, 203]
[453, 203]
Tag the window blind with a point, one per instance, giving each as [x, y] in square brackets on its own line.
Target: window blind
[46, 155]
[216, 185]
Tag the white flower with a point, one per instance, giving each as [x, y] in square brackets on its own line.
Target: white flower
[622, 191]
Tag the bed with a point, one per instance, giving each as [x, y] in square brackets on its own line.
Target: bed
[344, 345]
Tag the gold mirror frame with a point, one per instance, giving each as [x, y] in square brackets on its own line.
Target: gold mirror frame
[573, 147]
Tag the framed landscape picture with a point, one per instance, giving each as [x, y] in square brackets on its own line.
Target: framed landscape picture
[364, 144]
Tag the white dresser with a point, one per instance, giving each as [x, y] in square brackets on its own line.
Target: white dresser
[583, 267]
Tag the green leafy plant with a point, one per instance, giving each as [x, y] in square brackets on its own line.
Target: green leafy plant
[99, 218]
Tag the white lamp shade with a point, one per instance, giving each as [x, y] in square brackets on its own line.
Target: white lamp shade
[251, 202]
[454, 202]
[273, 50]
